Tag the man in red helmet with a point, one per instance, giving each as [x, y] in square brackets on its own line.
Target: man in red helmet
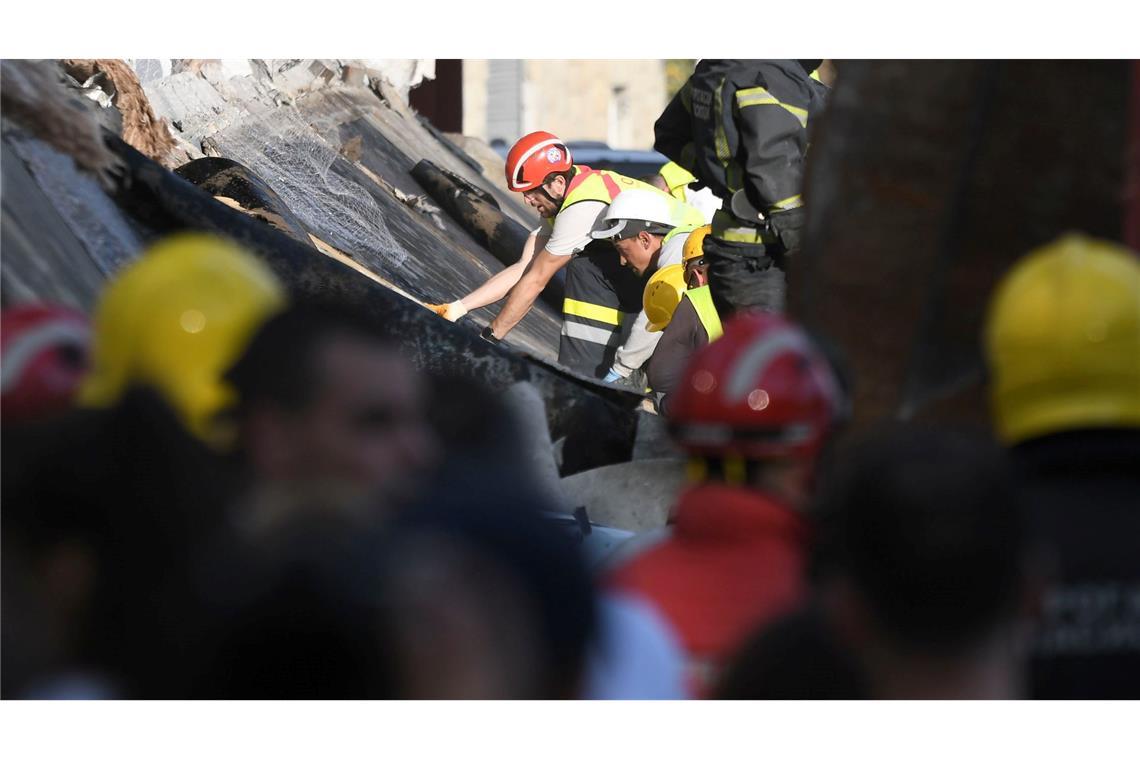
[753, 410]
[603, 298]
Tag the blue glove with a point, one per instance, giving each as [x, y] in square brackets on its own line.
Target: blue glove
[611, 377]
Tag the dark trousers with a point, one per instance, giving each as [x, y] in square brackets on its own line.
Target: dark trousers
[745, 276]
[602, 298]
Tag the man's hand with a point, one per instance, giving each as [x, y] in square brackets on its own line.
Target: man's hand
[450, 311]
[522, 296]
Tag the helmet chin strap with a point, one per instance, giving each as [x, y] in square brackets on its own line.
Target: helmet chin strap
[556, 201]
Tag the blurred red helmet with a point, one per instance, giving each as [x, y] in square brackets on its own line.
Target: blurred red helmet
[764, 390]
[45, 354]
[533, 157]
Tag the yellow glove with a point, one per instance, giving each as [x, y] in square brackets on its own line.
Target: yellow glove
[450, 311]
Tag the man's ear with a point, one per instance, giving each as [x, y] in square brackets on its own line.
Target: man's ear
[558, 184]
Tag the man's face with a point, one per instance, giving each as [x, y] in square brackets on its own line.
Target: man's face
[638, 252]
[365, 429]
[542, 201]
[696, 272]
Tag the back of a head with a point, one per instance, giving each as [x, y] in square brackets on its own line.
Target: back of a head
[927, 528]
[795, 657]
[1063, 341]
[500, 521]
[175, 320]
[298, 615]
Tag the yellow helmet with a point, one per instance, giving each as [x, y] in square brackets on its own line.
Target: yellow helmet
[1062, 340]
[662, 294]
[694, 244]
[175, 320]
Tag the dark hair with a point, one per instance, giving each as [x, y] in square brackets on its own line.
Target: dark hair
[797, 656]
[280, 364]
[928, 526]
[567, 175]
[301, 617]
[501, 519]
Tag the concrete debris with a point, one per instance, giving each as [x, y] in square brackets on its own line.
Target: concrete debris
[634, 495]
[527, 407]
[141, 128]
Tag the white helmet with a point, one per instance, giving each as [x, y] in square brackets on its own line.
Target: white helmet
[635, 210]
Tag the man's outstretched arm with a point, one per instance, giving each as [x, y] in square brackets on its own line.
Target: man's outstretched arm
[522, 296]
[497, 286]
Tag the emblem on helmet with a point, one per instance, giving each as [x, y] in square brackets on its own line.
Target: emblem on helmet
[554, 155]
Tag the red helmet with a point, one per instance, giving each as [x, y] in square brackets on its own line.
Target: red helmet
[763, 390]
[45, 353]
[533, 157]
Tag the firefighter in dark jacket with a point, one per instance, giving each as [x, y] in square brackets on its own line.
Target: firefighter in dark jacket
[741, 127]
[1063, 347]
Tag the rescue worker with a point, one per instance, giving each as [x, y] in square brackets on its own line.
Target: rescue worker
[601, 294]
[753, 411]
[1062, 342]
[741, 127]
[694, 323]
[649, 231]
[174, 322]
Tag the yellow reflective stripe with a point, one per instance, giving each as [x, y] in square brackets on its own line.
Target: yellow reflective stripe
[721, 139]
[758, 96]
[815, 76]
[799, 113]
[591, 311]
[755, 96]
[789, 203]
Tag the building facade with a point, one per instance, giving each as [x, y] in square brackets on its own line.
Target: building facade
[611, 101]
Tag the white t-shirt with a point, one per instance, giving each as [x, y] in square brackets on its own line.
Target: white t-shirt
[640, 343]
[572, 227]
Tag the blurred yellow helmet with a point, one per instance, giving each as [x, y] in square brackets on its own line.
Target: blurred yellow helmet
[662, 294]
[175, 320]
[694, 244]
[1062, 340]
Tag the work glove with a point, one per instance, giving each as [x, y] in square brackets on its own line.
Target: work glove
[611, 377]
[452, 312]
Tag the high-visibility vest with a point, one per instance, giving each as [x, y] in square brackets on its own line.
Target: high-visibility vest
[598, 185]
[676, 178]
[701, 298]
